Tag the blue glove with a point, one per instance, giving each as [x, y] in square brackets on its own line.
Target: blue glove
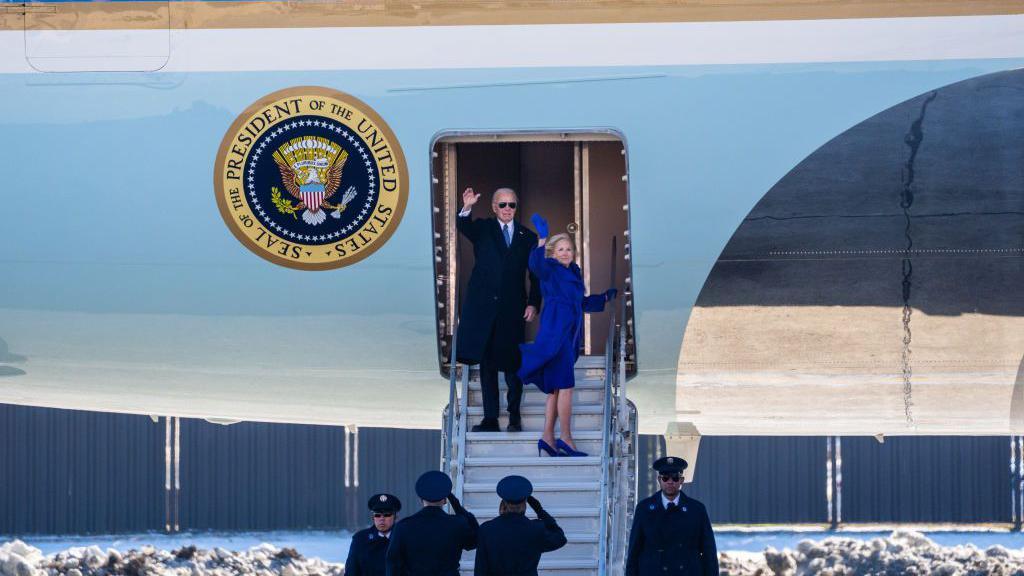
[610, 294]
[540, 224]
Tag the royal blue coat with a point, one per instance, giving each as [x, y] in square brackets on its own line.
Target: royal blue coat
[549, 361]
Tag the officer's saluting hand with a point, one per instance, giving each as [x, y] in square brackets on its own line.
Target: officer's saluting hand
[512, 543]
[671, 532]
[431, 541]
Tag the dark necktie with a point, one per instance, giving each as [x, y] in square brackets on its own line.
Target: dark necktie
[508, 234]
[671, 506]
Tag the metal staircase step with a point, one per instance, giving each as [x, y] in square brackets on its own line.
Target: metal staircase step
[581, 384]
[582, 363]
[481, 495]
[579, 546]
[519, 444]
[590, 362]
[532, 467]
[578, 520]
[585, 391]
[570, 567]
[584, 417]
[509, 437]
[576, 409]
[569, 488]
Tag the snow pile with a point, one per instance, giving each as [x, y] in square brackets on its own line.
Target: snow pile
[19, 559]
[904, 552]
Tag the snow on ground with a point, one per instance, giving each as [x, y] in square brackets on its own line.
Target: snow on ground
[903, 552]
[743, 553]
[20, 559]
[329, 546]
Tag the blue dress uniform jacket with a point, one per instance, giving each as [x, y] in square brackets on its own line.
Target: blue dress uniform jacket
[430, 543]
[366, 553]
[496, 295]
[511, 544]
[671, 542]
[549, 361]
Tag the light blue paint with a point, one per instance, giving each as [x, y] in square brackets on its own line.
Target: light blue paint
[108, 203]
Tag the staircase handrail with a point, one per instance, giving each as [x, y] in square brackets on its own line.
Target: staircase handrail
[452, 410]
[462, 426]
[607, 458]
[622, 474]
[452, 437]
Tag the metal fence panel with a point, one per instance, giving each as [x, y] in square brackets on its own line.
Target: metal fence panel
[256, 476]
[259, 476]
[751, 479]
[65, 471]
[926, 479]
[69, 471]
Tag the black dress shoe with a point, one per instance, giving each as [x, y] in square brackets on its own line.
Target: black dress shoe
[514, 427]
[486, 426]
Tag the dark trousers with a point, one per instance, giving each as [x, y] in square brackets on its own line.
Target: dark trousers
[489, 389]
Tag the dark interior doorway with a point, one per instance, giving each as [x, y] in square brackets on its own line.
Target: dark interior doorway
[577, 181]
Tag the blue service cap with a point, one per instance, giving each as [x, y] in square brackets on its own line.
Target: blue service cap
[384, 503]
[433, 486]
[669, 465]
[514, 489]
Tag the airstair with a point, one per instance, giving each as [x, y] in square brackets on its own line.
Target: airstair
[592, 497]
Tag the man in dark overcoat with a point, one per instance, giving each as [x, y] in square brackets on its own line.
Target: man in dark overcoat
[431, 541]
[512, 543]
[368, 548]
[671, 532]
[497, 305]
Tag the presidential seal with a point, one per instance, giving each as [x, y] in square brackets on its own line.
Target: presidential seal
[311, 178]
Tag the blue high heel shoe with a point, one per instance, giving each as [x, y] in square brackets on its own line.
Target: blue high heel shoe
[542, 445]
[567, 450]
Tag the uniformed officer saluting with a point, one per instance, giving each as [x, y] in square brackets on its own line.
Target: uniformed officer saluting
[511, 544]
[366, 554]
[431, 541]
[671, 533]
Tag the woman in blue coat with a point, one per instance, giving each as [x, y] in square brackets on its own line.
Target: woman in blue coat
[549, 361]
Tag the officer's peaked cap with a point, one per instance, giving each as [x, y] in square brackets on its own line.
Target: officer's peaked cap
[669, 465]
[514, 489]
[433, 486]
[384, 503]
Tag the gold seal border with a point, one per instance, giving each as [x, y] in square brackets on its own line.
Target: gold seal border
[366, 110]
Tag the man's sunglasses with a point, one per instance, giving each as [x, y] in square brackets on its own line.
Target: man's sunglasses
[670, 477]
[511, 205]
[382, 514]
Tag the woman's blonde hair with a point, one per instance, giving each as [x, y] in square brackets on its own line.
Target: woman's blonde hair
[549, 248]
[509, 508]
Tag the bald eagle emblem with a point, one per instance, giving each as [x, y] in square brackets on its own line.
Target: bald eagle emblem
[311, 169]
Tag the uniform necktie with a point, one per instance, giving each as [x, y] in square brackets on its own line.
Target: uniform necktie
[671, 506]
[508, 234]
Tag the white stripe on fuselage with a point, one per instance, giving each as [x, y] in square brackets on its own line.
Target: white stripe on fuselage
[655, 44]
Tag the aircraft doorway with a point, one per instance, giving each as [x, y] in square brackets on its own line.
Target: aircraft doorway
[577, 181]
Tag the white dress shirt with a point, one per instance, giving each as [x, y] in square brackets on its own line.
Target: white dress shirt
[665, 501]
[466, 211]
